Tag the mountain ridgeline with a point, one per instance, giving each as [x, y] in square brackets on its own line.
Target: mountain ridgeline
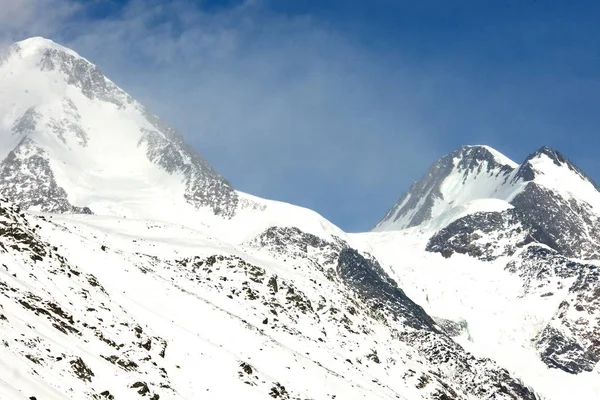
[547, 194]
[130, 268]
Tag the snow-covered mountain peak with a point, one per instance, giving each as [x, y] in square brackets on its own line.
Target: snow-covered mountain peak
[467, 174]
[61, 69]
[481, 153]
[72, 141]
[547, 193]
[38, 46]
[547, 161]
[69, 136]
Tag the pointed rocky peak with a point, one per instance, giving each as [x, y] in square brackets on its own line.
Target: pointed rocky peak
[548, 194]
[554, 155]
[547, 160]
[467, 174]
[471, 157]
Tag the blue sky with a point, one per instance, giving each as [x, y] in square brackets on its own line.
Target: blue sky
[340, 105]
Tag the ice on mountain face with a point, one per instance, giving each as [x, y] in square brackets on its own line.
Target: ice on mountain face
[85, 123]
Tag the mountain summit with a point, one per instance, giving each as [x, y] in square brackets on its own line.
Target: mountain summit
[73, 141]
[547, 191]
[469, 173]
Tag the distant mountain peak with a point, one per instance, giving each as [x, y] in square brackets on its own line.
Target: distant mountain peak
[538, 163]
[547, 189]
[471, 156]
[455, 178]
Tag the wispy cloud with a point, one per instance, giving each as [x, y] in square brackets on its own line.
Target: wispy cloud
[20, 19]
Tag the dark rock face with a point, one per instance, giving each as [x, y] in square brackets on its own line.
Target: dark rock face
[422, 194]
[559, 350]
[84, 75]
[539, 215]
[292, 242]
[466, 236]
[543, 269]
[488, 235]
[369, 280]
[377, 290]
[571, 341]
[27, 179]
[204, 186]
[27, 122]
[570, 225]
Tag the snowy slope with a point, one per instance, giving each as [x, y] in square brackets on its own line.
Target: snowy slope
[508, 308]
[104, 306]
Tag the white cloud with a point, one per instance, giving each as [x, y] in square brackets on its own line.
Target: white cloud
[24, 18]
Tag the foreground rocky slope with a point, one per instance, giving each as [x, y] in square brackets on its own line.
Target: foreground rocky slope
[95, 307]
